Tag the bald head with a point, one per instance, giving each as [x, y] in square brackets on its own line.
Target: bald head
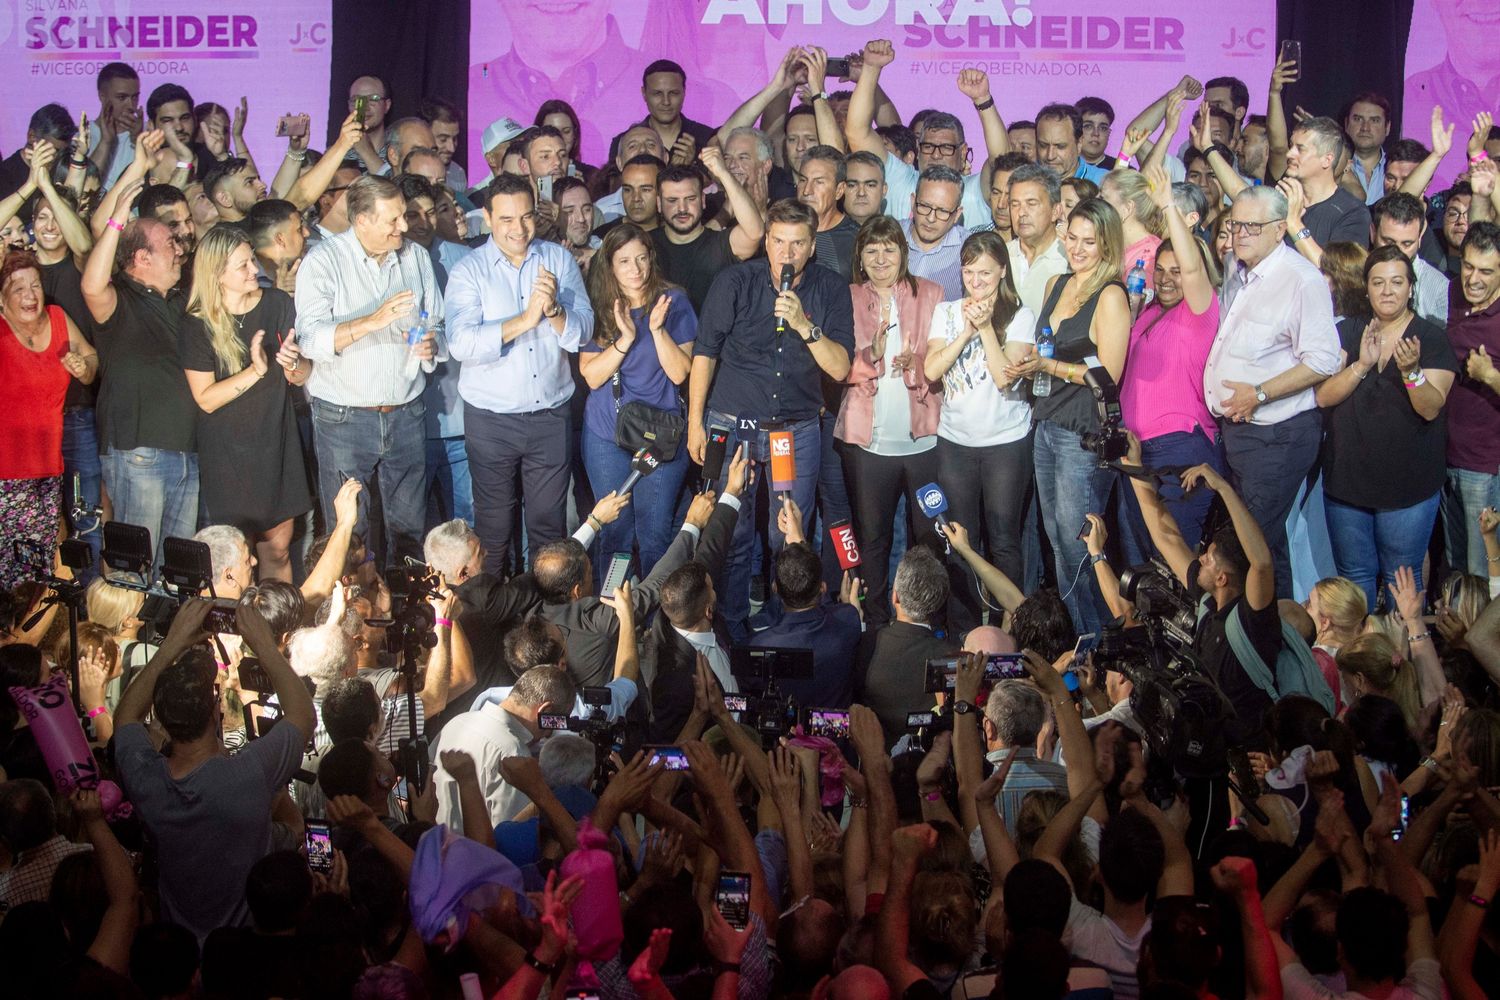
[988, 639]
[859, 982]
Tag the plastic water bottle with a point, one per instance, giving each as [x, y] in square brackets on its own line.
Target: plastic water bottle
[1041, 383]
[1135, 288]
[414, 337]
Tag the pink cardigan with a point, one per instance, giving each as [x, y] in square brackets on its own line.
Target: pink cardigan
[857, 414]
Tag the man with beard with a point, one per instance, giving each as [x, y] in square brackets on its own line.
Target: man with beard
[638, 140]
[576, 220]
[690, 254]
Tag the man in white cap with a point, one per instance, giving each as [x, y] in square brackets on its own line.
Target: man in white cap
[495, 141]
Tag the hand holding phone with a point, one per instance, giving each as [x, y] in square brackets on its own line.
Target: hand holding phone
[319, 846]
[732, 898]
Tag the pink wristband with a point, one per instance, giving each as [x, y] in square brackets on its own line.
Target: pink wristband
[445, 622]
[223, 668]
[117, 226]
[1479, 157]
[96, 712]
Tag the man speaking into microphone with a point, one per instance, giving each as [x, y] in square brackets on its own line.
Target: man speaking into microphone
[770, 330]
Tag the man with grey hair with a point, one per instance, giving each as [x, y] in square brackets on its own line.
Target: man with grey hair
[750, 159]
[1276, 342]
[1036, 254]
[233, 564]
[370, 318]
[401, 137]
[323, 655]
[495, 732]
[638, 140]
[933, 235]
[567, 761]
[1013, 719]
[1319, 211]
[895, 680]
[940, 140]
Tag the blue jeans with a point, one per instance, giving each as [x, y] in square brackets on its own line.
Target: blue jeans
[1370, 545]
[1189, 510]
[155, 489]
[80, 450]
[1466, 494]
[450, 492]
[388, 447]
[1070, 484]
[649, 520]
[734, 586]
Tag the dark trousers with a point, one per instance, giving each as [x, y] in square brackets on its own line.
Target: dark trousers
[532, 449]
[987, 490]
[880, 481]
[1268, 464]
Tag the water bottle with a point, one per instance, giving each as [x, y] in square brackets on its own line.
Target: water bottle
[414, 336]
[1041, 384]
[1135, 288]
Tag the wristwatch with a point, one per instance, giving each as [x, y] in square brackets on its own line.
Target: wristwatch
[1260, 394]
[814, 335]
[821, 95]
[962, 708]
[1301, 234]
[1097, 558]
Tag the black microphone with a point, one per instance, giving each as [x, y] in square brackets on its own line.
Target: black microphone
[787, 274]
[645, 462]
[713, 454]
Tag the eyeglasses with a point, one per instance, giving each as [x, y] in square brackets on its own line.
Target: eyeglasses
[368, 97]
[1248, 228]
[937, 148]
[1102, 128]
[1455, 214]
[940, 214]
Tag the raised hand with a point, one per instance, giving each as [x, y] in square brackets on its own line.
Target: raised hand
[346, 503]
[879, 53]
[1286, 71]
[459, 765]
[557, 903]
[815, 60]
[1160, 187]
[789, 520]
[1442, 135]
[624, 327]
[1132, 141]
[609, 507]
[958, 537]
[657, 321]
[289, 355]
[1406, 595]
[1097, 536]
[258, 353]
[974, 84]
[1408, 355]
[684, 150]
[1369, 347]
[1234, 876]
[1480, 133]
[237, 126]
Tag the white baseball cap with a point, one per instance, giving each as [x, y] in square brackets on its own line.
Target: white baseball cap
[500, 130]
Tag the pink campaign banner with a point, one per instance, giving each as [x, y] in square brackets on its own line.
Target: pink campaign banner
[1452, 62]
[591, 53]
[275, 52]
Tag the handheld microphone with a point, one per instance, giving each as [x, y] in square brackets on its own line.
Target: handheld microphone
[845, 546]
[934, 504]
[783, 462]
[645, 462]
[787, 274]
[713, 454]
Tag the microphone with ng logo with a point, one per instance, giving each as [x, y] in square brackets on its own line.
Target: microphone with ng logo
[783, 463]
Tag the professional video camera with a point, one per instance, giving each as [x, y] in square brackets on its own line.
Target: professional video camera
[1109, 443]
[75, 555]
[606, 736]
[411, 629]
[772, 713]
[1162, 604]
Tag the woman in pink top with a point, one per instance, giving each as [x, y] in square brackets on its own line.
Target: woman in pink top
[888, 421]
[1161, 395]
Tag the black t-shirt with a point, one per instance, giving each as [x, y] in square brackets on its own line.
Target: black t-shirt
[695, 265]
[62, 283]
[1069, 406]
[1378, 452]
[144, 401]
[1339, 218]
[835, 247]
[1211, 645]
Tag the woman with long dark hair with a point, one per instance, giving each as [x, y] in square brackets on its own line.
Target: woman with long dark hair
[561, 116]
[984, 433]
[641, 352]
[249, 452]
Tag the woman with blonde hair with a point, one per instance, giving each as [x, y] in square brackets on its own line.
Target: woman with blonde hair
[1338, 607]
[118, 609]
[1371, 664]
[1141, 219]
[249, 451]
[1088, 316]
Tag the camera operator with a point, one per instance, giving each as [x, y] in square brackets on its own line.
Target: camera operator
[1238, 576]
[209, 813]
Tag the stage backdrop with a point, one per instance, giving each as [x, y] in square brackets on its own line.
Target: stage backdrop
[275, 52]
[592, 52]
[1451, 62]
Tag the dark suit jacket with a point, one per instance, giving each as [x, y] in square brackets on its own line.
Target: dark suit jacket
[591, 627]
[491, 607]
[832, 632]
[895, 681]
[668, 661]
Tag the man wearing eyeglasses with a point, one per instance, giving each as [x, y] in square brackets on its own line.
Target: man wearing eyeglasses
[377, 100]
[940, 140]
[933, 233]
[1098, 120]
[1276, 342]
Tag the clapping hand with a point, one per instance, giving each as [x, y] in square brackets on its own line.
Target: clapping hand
[289, 355]
[1408, 355]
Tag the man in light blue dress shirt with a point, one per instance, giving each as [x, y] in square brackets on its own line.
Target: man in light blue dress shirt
[518, 307]
[359, 294]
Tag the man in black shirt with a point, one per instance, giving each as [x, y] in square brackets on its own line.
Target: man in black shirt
[769, 380]
[664, 87]
[1237, 575]
[821, 188]
[145, 412]
[1320, 212]
[639, 182]
[690, 254]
